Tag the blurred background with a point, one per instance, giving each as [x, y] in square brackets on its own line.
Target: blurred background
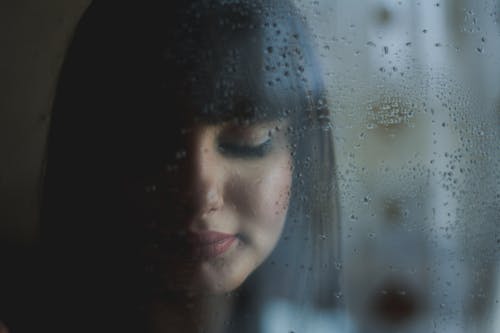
[415, 93]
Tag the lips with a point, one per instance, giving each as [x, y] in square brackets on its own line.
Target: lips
[210, 244]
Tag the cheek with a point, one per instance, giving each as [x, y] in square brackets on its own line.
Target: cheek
[273, 193]
[260, 196]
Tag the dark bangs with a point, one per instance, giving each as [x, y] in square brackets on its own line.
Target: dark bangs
[238, 60]
[172, 62]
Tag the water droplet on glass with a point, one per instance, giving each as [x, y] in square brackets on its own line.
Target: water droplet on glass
[180, 154]
[150, 188]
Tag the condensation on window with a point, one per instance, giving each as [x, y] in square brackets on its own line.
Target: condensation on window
[367, 200]
[414, 87]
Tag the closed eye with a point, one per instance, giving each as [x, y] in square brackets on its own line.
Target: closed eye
[237, 150]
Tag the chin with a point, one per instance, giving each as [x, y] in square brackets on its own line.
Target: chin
[217, 278]
[207, 278]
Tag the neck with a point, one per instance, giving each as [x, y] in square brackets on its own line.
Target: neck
[190, 313]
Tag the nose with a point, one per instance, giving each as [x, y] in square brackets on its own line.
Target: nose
[204, 192]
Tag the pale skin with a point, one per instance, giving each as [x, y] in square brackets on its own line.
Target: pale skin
[239, 184]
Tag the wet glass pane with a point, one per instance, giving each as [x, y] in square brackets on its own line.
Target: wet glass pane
[250, 166]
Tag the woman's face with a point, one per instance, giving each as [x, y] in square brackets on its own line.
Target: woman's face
[231, 192]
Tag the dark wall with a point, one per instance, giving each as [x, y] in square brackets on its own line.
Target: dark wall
[33, 38]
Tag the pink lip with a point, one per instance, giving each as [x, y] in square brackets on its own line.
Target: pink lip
[210, 244]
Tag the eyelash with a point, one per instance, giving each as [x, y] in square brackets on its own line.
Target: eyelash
[245, 151]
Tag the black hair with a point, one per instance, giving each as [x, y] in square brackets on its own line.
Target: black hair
[134, 69]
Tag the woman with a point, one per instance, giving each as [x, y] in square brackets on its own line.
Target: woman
[184, 134]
